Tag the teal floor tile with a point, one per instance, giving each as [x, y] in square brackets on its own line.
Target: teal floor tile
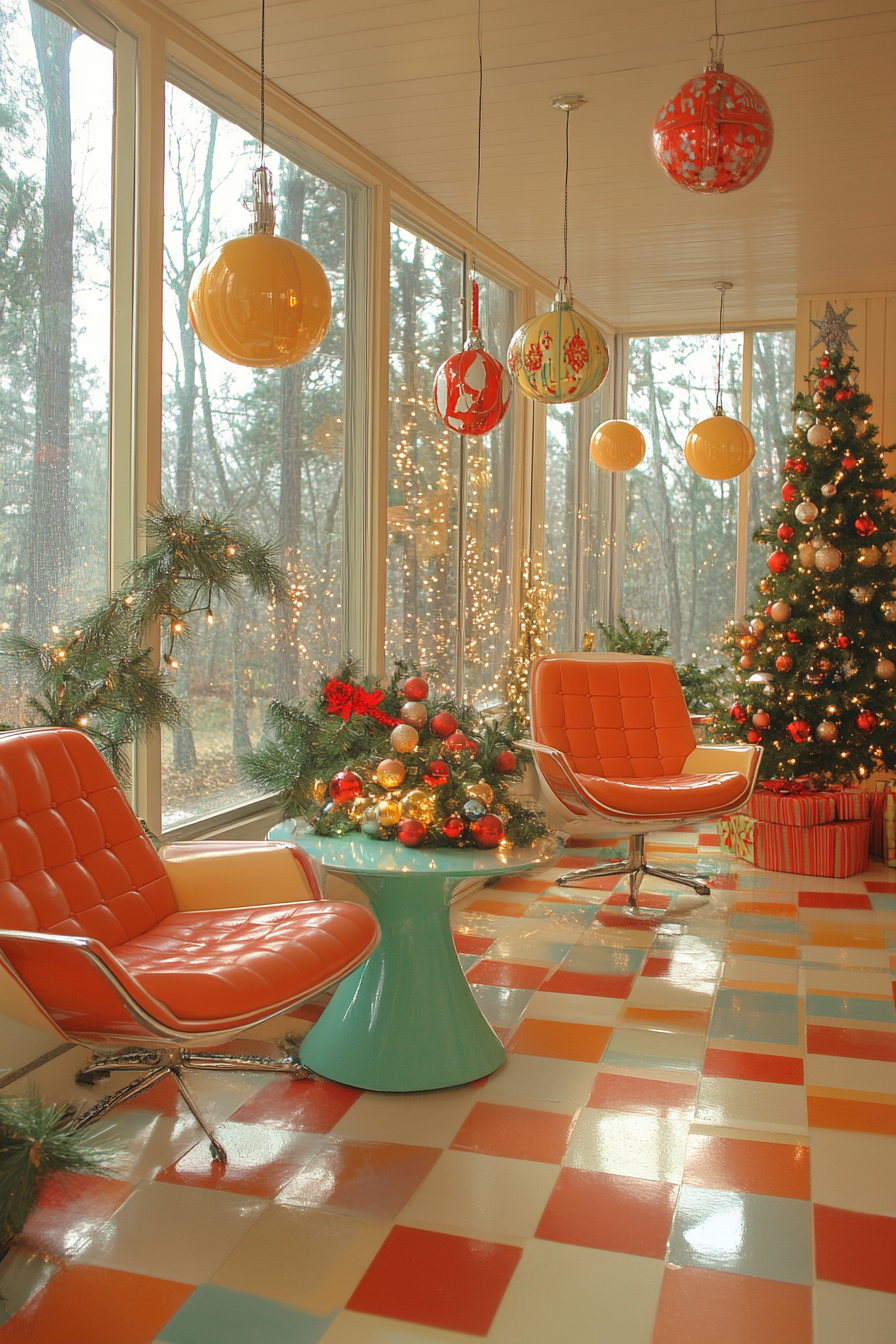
[631, 1048]
[216, 1315]
[467, 959]
[605, 960]
[502, 1007]
[762, 924]
[758, 1235]
[865, 1010]
[754, 1015]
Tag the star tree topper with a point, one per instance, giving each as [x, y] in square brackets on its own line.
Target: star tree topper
[833, 329]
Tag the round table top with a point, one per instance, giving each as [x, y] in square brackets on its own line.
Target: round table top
[357, 853]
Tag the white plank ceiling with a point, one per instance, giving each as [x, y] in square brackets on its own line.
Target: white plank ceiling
[400, 79]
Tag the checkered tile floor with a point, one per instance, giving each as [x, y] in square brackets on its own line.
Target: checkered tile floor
[693, 1141]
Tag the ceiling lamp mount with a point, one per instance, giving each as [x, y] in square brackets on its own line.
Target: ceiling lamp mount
[720, 448]
[568, 102]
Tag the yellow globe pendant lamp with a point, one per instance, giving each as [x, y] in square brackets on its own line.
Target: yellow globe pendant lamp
[719, 448]
[559, 356]
[617, 445]
[261, 301]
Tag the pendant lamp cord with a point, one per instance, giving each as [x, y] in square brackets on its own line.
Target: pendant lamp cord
[719, 361]
[478, 137]
[564, 279]
[717, 41]
[262, 80]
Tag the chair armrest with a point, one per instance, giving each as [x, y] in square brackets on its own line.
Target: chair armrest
[711, 759]
[225, 875]
[569, 774]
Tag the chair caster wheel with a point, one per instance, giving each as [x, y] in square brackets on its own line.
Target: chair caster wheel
[218, 1153]
[88, 1079]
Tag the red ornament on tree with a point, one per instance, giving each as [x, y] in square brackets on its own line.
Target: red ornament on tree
[866, 722]
[784, 662]
[715, 135]
[488, 831]
[843, 394]
[453, 827]
[754, 736]
[505, 762]
[842, 641]
[799, 730]
[792, 637]
[345, 786]
[849, 462]
[738, 713]
[437, 773]
[789, 492]
[444, 724]
[865, 526]
[416, 688]
[456, 742]
[472, 390]
[778, 561]
[824, 362]
[411, 832]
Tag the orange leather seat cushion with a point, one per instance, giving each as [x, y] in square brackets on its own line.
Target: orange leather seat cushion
[666, 795]
[228, 964]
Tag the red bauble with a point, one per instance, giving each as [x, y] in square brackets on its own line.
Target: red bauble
[416, 688]
[824, 362]
[784, 532]
[345, 786]
[444, 724]
[505, 762]
[784, 662]
[799, 730]
[778, 561]
[789, 492]
[842, 641]
[761, 719]
[792, 637]
[796, 464]
[453, 827]
[768, 609]
[487, 831]
[411, 832]
[437, 773]
[715, 135]
[753, 736]
[456, 742]
[472, 390]
[849, 462]
[843, 394]
[866, 722]
[865, 526]
[738, 713]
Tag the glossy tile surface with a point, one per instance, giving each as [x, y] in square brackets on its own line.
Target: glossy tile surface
[692, 1141]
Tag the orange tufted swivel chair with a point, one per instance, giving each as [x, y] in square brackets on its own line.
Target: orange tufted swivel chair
[615, 754]
[119, 945]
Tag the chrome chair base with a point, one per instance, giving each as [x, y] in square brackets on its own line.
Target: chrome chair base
[635, 868]
[152, 1065]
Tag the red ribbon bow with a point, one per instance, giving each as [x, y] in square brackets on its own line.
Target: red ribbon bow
[341, 698]
[797, 788]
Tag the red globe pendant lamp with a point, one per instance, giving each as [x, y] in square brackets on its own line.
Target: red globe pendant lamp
[260, 301]
[559, 356]
[715, 134]
[472, 389]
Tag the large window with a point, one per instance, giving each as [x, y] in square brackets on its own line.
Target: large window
[265, 445]
[56, 109]
[687, 560]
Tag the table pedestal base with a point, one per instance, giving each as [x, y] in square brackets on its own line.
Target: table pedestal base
[405, 1021]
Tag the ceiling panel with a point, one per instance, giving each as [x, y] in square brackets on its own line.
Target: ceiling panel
[401, 80]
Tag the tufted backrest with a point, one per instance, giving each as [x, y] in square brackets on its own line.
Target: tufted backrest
[615, 715]
[73, 857]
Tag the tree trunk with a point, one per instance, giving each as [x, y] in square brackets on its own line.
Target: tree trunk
[242, 742]
[668, 544]
[49, 569]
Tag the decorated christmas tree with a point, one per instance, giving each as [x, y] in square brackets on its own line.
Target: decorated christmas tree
[815, 664]
[393, 764]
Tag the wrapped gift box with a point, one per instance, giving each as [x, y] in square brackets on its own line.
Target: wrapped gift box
[832, 849]
[787, 809]
[883, 821]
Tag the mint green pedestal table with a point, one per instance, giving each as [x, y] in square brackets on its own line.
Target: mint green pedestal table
[406, 1020]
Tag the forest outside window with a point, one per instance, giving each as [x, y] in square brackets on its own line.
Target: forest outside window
[267, 445]
[56, 104]
[687, 553]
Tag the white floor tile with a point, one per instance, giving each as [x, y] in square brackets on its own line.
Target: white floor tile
[471, 1194]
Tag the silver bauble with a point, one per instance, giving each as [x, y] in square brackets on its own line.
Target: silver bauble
[861, 594]
[806, 512]
[885, 669]
[826, 731]
[888, 611]
[757, 626]
[819, 435]
[828, 558]
[804, 420]
[414, 713]
[833, 616]
[829, 489]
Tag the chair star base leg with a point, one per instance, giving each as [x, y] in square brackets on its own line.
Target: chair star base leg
[635, 868]
[152, 1065]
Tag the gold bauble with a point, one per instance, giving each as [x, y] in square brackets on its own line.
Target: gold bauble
[388, 812]
[828, 558]
[501, 811]
[390, 773]
[319, 791]
[617, 445]
[781, 611]
[414, 713]
[417, 803]
[885, 669]
[480, 790]
[719, 448]
[868, 556]
[404, 738]
[357, 807]
[807, 555]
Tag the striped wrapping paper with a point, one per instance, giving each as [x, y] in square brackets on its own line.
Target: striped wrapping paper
[883, 821]
[853, 804]
[838, 849]
[787, 809]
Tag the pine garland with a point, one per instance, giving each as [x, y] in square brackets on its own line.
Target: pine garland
[36, 1141]
[304, 747]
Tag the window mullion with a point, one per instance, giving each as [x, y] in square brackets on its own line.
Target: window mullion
[743, 484]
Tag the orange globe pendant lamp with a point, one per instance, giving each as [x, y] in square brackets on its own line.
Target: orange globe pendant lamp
[719, 448]
[617, 445]
[260, 301]
[559, 356]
